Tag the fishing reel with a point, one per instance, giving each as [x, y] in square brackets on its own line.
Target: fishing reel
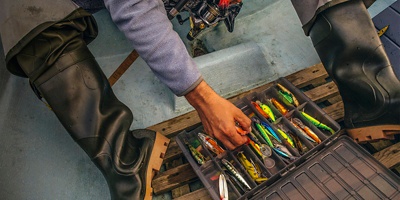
[204, 13]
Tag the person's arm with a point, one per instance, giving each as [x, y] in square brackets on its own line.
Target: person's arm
[146, 25]
[219, 116]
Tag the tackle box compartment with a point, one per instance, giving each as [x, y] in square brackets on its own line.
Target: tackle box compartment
[336, 168]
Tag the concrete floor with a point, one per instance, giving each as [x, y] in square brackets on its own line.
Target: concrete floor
[39, 160]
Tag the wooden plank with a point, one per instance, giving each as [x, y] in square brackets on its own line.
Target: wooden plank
[308, 76]
[173, 151]
[184, 189]
[175, 125]
[173, 178]
[172, 160]
[318, 82]
[381, 144]
[389, 157]
[123, 67]
[335, 99]
[335, 111]
[323, 92]
[200, 194]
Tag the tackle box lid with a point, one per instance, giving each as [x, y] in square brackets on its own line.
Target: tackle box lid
[341, 170]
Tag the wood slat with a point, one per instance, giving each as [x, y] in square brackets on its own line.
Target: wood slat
[381, 144]
[200, 194]
[182, 190]
[323, 92]
[123, 67]
[173, 178]
[335, 99]
[173, 151]
[175, 125]
[389, 157]
[318, 82]
[335, 111]
[173, 158]
[308, 76]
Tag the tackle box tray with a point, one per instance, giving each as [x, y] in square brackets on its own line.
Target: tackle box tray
[336, 168]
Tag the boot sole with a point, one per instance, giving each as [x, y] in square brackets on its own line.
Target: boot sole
[155, 162]
[372, 133]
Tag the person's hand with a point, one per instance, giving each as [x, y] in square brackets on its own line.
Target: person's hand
[220, 117]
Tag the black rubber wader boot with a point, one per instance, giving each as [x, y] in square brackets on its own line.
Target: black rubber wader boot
[78, 92]
[352, 53]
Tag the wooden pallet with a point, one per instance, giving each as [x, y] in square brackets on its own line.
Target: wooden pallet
[314, 81]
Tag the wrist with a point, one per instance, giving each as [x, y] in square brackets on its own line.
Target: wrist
[200, 95]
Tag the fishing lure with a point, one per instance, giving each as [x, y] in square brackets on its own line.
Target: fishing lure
[261, 178]
[298, 144]
[306, 129]
[253, 137]
[282, 150]
[281, 153]
[263, 132]
[255, 147]
[240, 129]
[284, 131]
[196, 154]
[210, 143]
[287, 95]
[271, 131]
[286, 137]
[260, 110]
[235, 173]
[267, 110]
[383, 30]
[304, 134]
[223, 187]
[257, 167]
[317, 123]
[250, 168]
[279, 106]
[288, 142]
[235, 182]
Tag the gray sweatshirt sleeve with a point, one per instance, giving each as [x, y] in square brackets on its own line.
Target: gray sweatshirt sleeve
[146, 25]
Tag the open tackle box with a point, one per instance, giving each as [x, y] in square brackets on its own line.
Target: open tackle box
[283, 159]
